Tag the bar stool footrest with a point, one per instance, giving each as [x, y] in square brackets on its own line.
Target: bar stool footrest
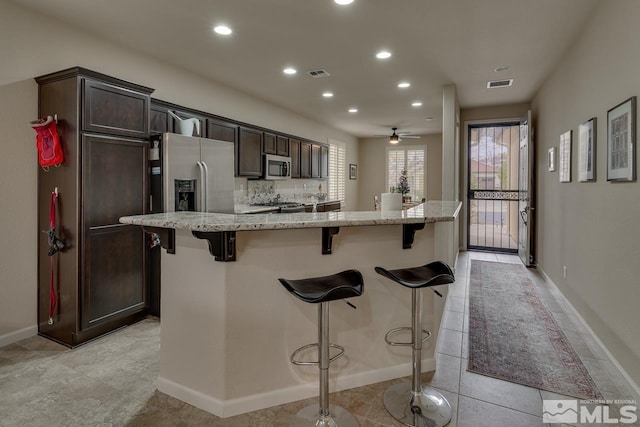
[304, 348]
[425, 336]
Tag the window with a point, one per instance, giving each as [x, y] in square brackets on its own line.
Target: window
[411, 159]
[337, 172]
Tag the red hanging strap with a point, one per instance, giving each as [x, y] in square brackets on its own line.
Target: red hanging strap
[55, 245]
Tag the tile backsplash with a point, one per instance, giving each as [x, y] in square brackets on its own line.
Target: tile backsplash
[257, 191]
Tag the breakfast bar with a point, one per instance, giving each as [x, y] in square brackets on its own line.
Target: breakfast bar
[228, 327]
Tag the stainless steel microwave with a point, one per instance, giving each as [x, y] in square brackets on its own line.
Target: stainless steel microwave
[277, 167]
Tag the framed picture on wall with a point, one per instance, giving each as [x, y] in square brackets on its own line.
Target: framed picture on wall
[353, 171]
[564, 160]
[587, 151]
[621, 141]
[551, 159]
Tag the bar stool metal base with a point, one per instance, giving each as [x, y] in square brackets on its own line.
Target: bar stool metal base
[428, 408]
[310, 417]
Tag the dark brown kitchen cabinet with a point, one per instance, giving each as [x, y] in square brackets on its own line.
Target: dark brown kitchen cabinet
[222, 131]
[294, 152]
[249, 152]
[282, 146]
[324, 162]
[315, 161]
[305, 159]
[158, 119]
[270, 143]
[101, 276]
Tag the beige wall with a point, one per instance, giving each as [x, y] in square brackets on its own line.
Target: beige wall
[31, 45]
[372, 168]
[592, 228]
[18, 218]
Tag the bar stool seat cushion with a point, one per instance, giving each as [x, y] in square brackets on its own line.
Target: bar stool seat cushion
[346, 284]
[432, 274]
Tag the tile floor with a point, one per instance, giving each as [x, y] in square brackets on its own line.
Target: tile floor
[111, 382]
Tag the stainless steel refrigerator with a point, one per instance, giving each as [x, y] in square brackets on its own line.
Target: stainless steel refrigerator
[197, 174]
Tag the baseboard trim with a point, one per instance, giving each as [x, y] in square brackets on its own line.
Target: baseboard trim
[18, 335]
[595, 337]
[231, 407]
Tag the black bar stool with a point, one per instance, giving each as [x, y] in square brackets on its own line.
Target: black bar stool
[410, 402]
[321, 290]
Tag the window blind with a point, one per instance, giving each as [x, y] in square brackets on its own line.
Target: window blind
[337, 172]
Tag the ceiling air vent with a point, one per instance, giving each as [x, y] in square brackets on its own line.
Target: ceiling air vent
[499, 83]
[316, 74]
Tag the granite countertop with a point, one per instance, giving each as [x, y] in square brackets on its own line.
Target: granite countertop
[253, 209]
[431, 211]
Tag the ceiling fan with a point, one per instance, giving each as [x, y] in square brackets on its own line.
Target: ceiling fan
[397, 136]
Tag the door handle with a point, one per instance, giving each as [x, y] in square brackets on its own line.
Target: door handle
[205, 185]
[203, 194]
[523, 215]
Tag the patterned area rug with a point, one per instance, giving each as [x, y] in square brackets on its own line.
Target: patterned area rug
[512, 335]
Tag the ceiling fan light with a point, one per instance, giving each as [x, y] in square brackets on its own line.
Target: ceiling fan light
[394, 139]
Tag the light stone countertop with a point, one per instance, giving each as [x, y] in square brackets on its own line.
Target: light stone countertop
[428, 212]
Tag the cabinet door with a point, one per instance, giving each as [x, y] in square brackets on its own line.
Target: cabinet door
[315, 161]
[305, 159]
[114, 110]
[249, 152]
[270, 145]
[282, 146]
[222, 131]
[158, 120]
[324, 162]
[114, 184]
[294, 152]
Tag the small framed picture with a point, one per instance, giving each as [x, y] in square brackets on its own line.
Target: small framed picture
[551, 159]
[564, 157]
[587, 151]
[621, 141]
[353, 171]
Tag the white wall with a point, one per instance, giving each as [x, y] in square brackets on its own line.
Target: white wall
[372, 178]
[32, 45]
[592, 228]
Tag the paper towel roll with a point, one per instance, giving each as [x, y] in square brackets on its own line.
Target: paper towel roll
[391, 202]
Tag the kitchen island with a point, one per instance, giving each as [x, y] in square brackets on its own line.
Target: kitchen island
[228, 328]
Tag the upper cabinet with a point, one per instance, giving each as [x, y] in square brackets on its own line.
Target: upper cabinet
[324, 162]
[294, 152]
[315, 161]
[114, 110]
[270, 143]
[282, 146]
[249, 152]
[305, 159]
[222, 130]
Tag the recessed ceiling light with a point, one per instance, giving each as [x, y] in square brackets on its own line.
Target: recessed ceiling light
[353, 110]
[327, 94]
[383, 54]
[403, 85]
[222, 30]
[289, 70]
[343, 2]
[416, 104]
[502, 68]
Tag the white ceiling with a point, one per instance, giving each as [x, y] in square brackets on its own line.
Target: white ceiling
[434, 43]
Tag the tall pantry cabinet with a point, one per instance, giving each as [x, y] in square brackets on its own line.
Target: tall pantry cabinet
[101, 277]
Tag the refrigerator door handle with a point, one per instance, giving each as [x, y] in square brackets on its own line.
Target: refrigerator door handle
[203, 194]
[206, 183]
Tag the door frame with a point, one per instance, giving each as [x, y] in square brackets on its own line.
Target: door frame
[465, 170]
